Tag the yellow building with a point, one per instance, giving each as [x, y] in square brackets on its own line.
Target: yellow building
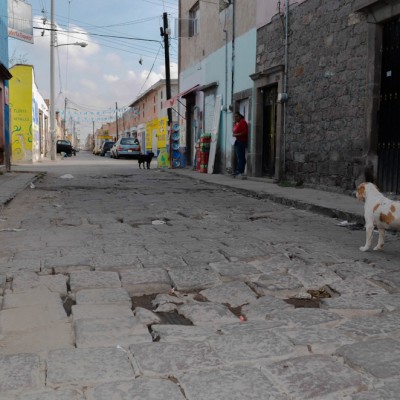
[28, 117]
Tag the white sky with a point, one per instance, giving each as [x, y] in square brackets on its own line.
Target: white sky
[107, 71]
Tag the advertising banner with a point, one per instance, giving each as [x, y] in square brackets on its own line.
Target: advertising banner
[20, 20]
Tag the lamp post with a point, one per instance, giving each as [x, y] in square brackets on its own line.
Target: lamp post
[52, 81]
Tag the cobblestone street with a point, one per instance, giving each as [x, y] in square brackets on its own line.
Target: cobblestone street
[146, 284]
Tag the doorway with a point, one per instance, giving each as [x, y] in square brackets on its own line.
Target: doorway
[269, 130]
[388, 149]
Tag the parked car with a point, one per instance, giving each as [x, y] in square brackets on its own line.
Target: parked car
[64, 146]
[125, 147]
[106, 147]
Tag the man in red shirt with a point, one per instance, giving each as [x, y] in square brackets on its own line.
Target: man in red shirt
[240, 133]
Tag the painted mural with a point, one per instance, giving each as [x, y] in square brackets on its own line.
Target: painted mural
[156, 130]
[21, 104]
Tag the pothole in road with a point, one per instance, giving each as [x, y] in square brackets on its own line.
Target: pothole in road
[324, 292]
[67, 304]
[168, 318]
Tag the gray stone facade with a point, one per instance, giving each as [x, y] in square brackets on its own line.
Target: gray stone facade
[324, 142]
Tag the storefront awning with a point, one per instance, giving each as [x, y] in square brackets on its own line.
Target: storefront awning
[169, 103]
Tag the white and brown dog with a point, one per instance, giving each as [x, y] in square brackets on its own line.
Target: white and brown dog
[379, 212]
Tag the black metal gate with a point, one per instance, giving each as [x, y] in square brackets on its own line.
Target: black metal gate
[389, 110]
[269, 130]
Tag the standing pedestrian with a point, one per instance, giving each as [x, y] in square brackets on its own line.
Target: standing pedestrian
[240, 133]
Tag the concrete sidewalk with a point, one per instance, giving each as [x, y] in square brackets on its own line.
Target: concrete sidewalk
[335, 205]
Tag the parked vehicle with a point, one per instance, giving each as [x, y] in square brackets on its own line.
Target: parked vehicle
[125, 147]
[64, 146]
[106, 147]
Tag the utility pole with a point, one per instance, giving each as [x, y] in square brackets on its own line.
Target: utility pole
[116, 117]
[52, 88]
[165, 33]
[65, 119]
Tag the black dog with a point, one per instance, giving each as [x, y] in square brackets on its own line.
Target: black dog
[145, 158]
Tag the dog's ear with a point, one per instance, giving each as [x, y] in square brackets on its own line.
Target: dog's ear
[361, 192]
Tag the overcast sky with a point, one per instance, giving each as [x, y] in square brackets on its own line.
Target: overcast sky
[111, 68]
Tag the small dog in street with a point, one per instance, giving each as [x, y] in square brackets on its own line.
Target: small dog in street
[379, 212]
[145, 159]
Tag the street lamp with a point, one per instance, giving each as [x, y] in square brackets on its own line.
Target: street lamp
[82, 44]
[52, 83]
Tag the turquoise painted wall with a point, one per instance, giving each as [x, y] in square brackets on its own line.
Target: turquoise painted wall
[4, 61]
[212, 69]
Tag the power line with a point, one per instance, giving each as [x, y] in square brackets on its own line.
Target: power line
[101, 35]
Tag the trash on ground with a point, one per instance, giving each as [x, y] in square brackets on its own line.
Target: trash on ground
[346, 223]
[66, 176]
[157, 222]
[32, 186]
[12, 230]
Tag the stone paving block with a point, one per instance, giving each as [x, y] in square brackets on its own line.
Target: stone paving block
[246, 327]
[38, 296]
[308, 317]
[387, 390]
[90, 311]
[354, 269]
[103, 296]
[161, 261]
[2, 284]
[110, 332]
[236, 383]
[382, 324]
[233, 293]
[55, 283]
[275, 262]
[138, 389]
[55, 335]
[379, 357]
[236, 251]
[60, 394]
[278, 285]
[145, 316]
[389, 279]
[194, 278]
[20, 372]
[318, 340]
[390, 302]
[351, 306]
[87, 367]
[28, 318]
[236, 347]
[264, 307]
[199, 257]
[146, 281]
[93, 280]
[232, 271]
[315, 276]
[60, 263]
[207, 313]
[165, 359]
[66, 270]
[112, 262]
[121, 249]
[314, 377]
[23, 281]
[15, 266]
[357, 287]
[177, 333]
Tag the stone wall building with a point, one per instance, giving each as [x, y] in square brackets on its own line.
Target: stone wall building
[331, 65]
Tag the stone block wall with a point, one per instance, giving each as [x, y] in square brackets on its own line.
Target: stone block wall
[327, 82]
